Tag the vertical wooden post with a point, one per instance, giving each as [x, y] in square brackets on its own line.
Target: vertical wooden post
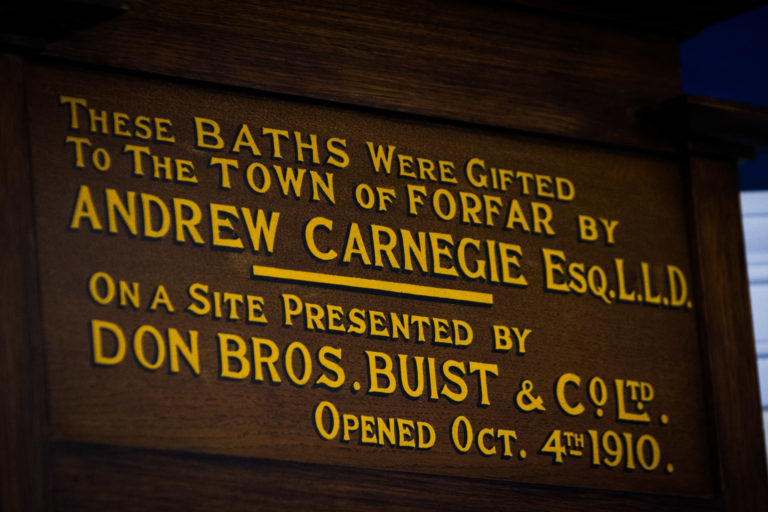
[726, 333]
[23, 445]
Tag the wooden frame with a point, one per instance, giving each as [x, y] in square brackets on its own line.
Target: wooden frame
[46, 473]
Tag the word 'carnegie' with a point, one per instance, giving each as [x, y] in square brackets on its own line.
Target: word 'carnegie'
[430, 252]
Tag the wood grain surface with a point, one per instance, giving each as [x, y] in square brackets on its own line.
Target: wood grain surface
[470, 62]
[726, 333]
[98, 478]
[545, 90]
[125, 404]
[23, 428]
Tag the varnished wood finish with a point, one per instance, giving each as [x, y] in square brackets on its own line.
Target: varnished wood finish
[726, 333]
[207, 414]
[23, 423]
[470, 62]
[524, 70]
[106, 478]
[708, 126]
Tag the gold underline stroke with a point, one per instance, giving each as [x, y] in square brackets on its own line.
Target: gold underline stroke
[360, 283]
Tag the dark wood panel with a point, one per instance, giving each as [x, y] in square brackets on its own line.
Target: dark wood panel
[484, 64]
[121, 403]
[726, 333]
[711, 127]
[100, 478]
[476, 63]
[22, 394]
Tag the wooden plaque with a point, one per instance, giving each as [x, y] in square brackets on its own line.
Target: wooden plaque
[239, 274]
